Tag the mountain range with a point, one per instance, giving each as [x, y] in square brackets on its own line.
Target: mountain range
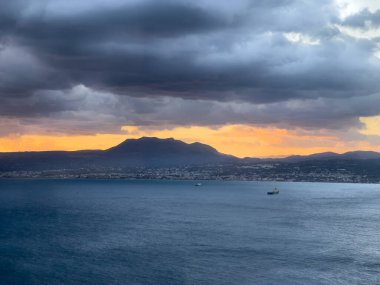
[149, 152]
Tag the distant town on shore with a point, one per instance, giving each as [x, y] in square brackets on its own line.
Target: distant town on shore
[153, 158]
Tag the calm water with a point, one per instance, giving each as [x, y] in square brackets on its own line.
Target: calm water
[119, 232]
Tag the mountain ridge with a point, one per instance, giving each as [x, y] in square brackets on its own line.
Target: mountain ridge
[152, 152]
[358, 154]
[143, 152]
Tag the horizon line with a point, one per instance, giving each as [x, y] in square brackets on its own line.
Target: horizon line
[168, 138]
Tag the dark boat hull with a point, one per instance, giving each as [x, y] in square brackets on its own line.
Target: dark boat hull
[272, 193]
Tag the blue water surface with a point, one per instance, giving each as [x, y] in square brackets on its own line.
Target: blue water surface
[171, 232]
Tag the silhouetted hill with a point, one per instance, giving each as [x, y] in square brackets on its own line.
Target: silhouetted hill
[361, 155]
[332, 155]
[316, 156]
[151, 145]
[152, 152]
[148, 151]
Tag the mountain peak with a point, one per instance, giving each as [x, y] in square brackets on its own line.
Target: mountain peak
[167, 151]
[145, 143]
[154, 144]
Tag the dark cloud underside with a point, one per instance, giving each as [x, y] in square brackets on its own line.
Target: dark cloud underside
[289, 55]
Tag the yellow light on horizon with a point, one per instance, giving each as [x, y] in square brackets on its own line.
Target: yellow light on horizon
[372, 126]
[238, 140]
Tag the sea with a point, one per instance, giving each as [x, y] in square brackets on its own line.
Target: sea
[172, 232]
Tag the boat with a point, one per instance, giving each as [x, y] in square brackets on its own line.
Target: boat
[198, 184]
[274, 191]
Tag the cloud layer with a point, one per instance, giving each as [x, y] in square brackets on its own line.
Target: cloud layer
[90, 67]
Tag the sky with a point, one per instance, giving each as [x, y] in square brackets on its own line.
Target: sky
[259, 78]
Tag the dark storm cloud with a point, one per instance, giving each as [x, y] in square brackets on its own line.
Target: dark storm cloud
[268, 55]
[9, 11]
[364, 19]
[105, 47]
[134, 22]
[84, 111]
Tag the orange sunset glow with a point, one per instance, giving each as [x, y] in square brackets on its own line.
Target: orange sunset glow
[238, 140]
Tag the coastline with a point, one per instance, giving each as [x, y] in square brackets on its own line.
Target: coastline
[178, 180]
